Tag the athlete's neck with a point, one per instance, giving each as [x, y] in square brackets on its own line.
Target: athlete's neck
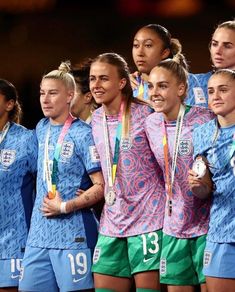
[60, 120]
[172, 114]
[112, 108]
[85, 114]
[3, 121]
[226, 121]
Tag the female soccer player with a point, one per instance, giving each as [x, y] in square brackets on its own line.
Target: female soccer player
[169, 131]
[222, 51]
[130, 234]
[83, 103]
[153, 43]
[18, 156]
[215, 141]
[63, 230]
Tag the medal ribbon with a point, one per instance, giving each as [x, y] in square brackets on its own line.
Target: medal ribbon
[112, 167]
[51, 177]
[169, 182]
[142, 90]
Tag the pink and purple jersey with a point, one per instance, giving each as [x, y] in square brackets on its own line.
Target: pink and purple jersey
[139, 186]
[190, 215]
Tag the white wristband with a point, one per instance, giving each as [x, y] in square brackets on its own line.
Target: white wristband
[63, 208]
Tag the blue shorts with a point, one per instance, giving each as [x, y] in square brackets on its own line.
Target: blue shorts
[52, 270]
[10, 272]
[219, 260]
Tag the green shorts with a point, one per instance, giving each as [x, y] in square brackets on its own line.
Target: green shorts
[182, 260]
[122, 257]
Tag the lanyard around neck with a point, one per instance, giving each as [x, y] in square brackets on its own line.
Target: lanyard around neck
[170, 179]
[112, 166]
[51, 177]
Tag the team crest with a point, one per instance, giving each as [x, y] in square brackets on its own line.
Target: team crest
[7, 157]
[162, 266]
[96, 255]
[125, 144]
[67, 149]
[185, 147]
[207, 258]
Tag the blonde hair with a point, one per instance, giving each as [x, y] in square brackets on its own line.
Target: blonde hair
[179, 68]
[63, 74]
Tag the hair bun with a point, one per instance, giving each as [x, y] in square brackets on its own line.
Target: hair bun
[65, 67]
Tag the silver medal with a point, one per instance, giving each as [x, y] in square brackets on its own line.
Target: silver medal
[199, 167]
[110, 197]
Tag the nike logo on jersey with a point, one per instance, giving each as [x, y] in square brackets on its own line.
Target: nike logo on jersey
[14, 276]
[78, 280]
[146, 260]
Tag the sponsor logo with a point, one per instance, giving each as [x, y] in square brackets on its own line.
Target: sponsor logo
[185, 147]
[67, 149]
[78, 280]
[94, 154]
[147, 260]
[15, 276]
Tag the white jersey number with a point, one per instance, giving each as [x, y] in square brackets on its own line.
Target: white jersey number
[154, 241]
[78, 263]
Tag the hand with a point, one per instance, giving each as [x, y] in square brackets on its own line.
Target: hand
[134, 82]
[201, 187]
[51, 207]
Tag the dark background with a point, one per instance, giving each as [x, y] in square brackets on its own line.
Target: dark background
[36, 35]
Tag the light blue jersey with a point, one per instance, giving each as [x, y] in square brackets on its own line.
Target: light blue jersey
[217, 150]
[197, 91]
[18, 156]
[77, 160]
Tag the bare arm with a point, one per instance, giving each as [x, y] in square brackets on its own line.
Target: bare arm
[85, 200]
[201, 187]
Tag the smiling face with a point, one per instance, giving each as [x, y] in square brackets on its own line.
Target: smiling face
[106, 85]
[55, 98]
[222, 48]
[147, 50]
[221, 92]
[165, 92]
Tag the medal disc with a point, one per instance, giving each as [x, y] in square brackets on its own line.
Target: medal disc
[110, 197]
[199, 167]
[51, 195]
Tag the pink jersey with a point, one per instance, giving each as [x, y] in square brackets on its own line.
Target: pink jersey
[190, 215]
[139, 186]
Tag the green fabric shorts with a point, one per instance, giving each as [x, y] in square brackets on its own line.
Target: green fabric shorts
[122, 257]
[182, 261]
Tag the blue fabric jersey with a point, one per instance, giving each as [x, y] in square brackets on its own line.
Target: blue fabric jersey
[221, 162]
[197, 89]
[77, 160]
[18, 161]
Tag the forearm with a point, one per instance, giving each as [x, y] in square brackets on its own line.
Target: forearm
[88, 198]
